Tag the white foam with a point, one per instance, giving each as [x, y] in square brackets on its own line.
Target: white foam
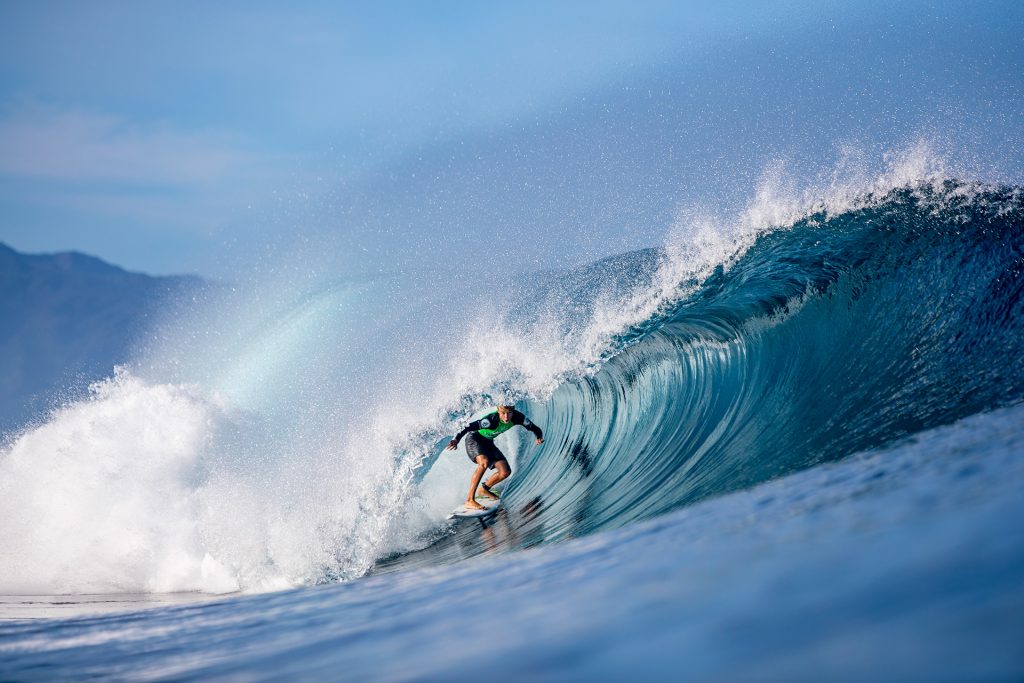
[101, 498]
[151, 487]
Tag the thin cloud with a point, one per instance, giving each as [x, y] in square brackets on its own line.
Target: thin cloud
[79, 146]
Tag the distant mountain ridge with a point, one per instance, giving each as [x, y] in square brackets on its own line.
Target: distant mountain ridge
[66, 319]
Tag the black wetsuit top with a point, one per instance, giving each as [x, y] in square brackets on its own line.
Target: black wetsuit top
[490, 426]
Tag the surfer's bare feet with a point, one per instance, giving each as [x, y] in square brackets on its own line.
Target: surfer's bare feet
[483, 490]
[473, 505]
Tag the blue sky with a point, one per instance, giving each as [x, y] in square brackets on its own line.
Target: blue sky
[186, 136]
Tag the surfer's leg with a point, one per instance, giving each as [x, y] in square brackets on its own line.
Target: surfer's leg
[485, 490]
[478, 474]
[503, 472]
[496, 460]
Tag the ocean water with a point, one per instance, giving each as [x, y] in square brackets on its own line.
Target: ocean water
[786, 445]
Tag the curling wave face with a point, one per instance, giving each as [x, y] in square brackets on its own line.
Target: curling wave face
[837, 334]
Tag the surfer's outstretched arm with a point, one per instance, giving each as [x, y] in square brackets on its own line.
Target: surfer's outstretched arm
[521, 419]
[471, 427]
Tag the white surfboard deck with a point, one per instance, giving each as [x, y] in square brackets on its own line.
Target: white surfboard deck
[490, 507]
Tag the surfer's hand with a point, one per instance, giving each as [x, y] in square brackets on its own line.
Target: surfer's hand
[540, 441]
[452, 445]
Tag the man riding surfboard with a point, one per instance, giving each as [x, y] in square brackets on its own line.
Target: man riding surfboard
[481, 449]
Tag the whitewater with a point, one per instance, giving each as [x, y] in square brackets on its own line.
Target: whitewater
[786, 444]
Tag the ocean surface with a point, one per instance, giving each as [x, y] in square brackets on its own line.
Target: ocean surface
[786, 445]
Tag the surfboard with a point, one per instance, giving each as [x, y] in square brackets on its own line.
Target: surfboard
[490, 507]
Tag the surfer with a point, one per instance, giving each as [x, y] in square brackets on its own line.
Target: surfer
[482, 451]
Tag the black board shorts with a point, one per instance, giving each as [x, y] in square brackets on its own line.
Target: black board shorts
[479, 445]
